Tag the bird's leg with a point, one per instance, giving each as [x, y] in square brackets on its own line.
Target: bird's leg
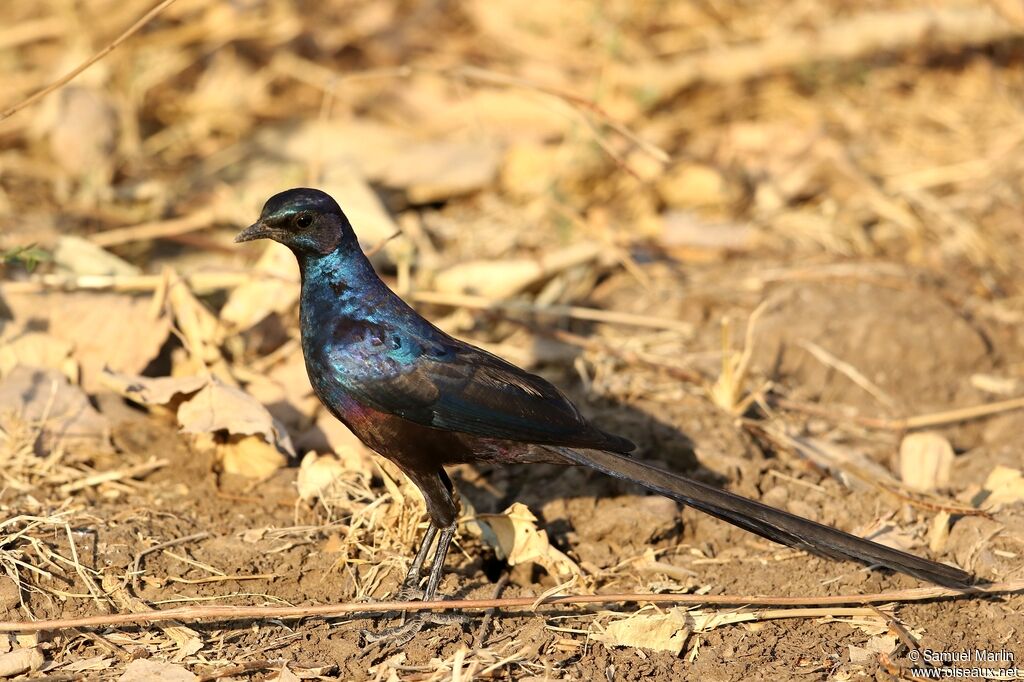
[438, 491]
[412, 579]
[436, 572]
[437, 566]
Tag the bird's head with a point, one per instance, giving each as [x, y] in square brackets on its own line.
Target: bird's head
[307, 221]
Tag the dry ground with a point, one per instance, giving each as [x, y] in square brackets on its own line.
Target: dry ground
[775, 244]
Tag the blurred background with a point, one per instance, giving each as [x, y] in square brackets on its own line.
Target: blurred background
[779, 228]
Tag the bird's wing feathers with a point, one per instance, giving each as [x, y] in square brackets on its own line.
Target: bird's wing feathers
[459, 387]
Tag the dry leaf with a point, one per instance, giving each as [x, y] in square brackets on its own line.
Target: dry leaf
[884, 644]
[218, 407]
[152, 391]
[36, 349]
[20, 661]
[427, 170]
[146, 670]
[440, 169]
[926, 461]
[249, 456]
[65, 415]
[501, 278]
[530, 169]
[367, 146]
[685, 230]
[104, 329]
[694, 185]
[997, 385]
[887, 533]
[285, 675]
[255, 444]
[94, 663]
[83, 136]
[269, 291]
[1005, 486]
[517, 539]
[938, 534]
[199, 327]
[82, 257]
[317, 473]
[658, 631]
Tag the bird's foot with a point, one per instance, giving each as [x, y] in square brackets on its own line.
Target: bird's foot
[400, 635]
[397, 636]
[410, 592]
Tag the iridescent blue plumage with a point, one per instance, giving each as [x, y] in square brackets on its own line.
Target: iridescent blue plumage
[424, 399]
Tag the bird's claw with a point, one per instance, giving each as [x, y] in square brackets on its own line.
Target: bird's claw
[397, 636]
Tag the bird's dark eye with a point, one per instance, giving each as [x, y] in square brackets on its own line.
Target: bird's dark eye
[303, 220]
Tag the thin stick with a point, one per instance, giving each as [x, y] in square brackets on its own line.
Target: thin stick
[71, 75]
[136, 570]
[228, 613]
[577, 312]
[906, 424]
[851, 372]
[172, 227]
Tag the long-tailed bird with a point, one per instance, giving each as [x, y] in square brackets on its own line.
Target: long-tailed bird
[425, 400]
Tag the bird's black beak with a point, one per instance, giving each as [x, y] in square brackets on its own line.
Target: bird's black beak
[255, 231]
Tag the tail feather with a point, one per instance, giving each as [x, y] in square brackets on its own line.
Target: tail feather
[768, 522]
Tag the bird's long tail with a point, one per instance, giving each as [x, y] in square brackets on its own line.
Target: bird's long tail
[768, 522]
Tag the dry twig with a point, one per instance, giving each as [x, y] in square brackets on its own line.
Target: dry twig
[228, 613]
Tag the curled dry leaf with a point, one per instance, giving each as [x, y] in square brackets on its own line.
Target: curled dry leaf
[926, 461]
[61, 410]
[1004, 486]
[938, 534]
[516, 538]
[249, 456]
[318, 473]
[255, 443]
[218, 407]
[657, 631]
[152, 391]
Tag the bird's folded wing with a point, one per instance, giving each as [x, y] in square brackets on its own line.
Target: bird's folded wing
[468, 390]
